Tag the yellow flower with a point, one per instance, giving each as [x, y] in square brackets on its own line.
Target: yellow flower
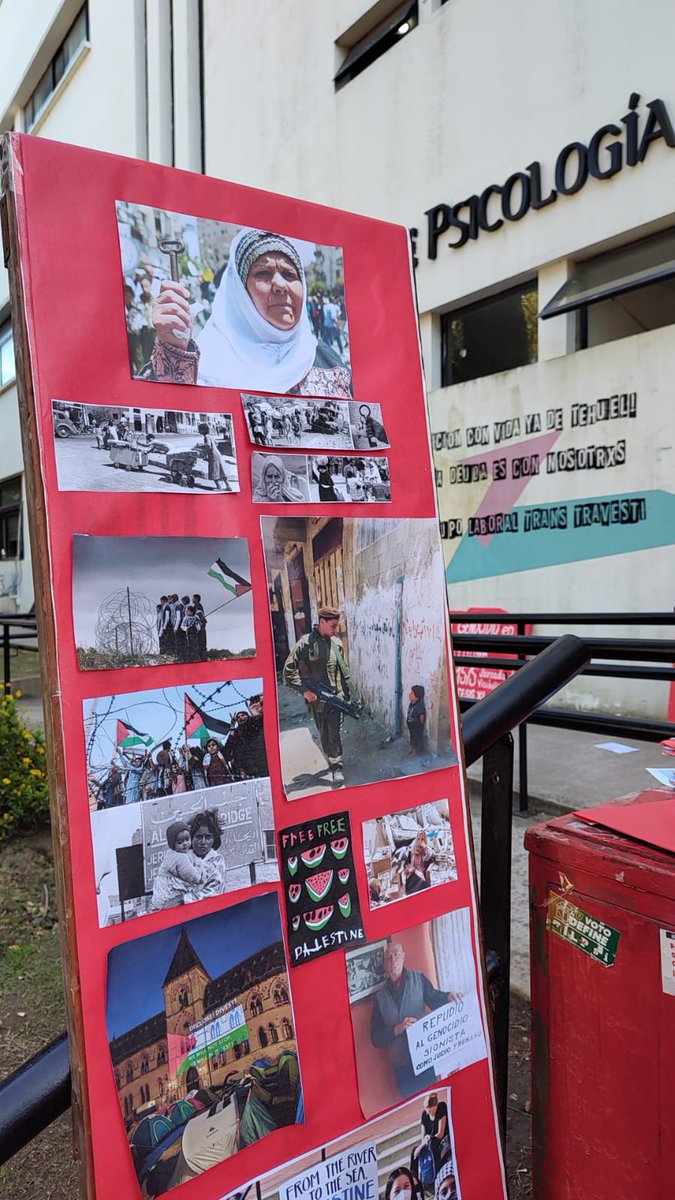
[36, 772]
[17, 692]
[5, 780]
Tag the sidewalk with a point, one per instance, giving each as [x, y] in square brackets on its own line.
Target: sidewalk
[565, 771]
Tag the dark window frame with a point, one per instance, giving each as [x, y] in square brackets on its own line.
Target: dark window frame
[373, 45]
[12, 509]
[531, 284]
[56, 70]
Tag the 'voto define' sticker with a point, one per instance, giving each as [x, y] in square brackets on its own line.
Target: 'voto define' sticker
[322, 900]
[587, 933]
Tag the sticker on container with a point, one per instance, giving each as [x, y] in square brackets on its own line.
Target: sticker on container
[667, 961]
[587, 933]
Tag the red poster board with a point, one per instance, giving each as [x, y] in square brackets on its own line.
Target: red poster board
[474, 683]
[207, 1089]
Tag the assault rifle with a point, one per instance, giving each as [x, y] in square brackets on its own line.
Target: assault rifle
[331, 699]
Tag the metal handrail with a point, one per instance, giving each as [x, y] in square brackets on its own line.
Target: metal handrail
[39, 1091]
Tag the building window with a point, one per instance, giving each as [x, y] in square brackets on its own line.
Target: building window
[10, 518]
[75, 38]
[7, 369]
[493, 335]
[262, 1037]
[621, 292]
[280, 995]
[270, 846]
[359, 55]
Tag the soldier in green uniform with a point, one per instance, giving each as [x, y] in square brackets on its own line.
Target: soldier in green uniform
[318, 658]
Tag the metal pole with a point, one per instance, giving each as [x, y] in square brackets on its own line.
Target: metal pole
[6, 659]
[131, 636]
[495, 894]
[522, 747]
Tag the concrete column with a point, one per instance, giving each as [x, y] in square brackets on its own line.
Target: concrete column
[159, 37]
[187, 116]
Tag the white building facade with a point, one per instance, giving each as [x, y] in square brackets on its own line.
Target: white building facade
[532, 147]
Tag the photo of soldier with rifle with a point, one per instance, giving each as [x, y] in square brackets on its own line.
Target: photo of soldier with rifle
[316, 667]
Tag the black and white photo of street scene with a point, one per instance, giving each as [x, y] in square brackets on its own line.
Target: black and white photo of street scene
[294, 478]
[112, 448]
[154, 601]
[294, 422]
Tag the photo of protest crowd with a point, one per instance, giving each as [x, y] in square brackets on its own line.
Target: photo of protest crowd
[284, 422]
[408, 852]
[393, 984]
[225, 306]
[357, 603]
[181, 848]
[407, 1153]
[145, 745]
[126, 615]
[104, 448]
[202, 1041]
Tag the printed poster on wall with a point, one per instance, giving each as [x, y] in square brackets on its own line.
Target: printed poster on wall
[252, 711]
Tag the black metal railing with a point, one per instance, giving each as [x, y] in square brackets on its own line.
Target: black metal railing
[19, 632]
[611, 658]
[39, 1091]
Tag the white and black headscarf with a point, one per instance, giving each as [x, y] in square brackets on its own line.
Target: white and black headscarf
[238, 347]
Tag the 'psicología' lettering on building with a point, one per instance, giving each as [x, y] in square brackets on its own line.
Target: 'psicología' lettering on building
[608, 151]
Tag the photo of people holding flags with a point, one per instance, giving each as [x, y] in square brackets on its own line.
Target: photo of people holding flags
[154, 601]
[144, 745]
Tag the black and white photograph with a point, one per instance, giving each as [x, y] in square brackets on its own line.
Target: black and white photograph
[279, 478]
[294, 478]
[357, 608]
[169, 741]
[368, 432]
[223, 305]
[182, 847]
[291, 423]
[347, 480]
[408, 852]
[112, 448]
[153, 601]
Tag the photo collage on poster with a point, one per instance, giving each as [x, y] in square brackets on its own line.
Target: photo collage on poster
[214, 612]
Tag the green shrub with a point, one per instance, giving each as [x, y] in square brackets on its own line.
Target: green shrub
[24, 796]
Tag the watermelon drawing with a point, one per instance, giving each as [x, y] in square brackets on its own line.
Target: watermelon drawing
[343, 874]
[320, 917]
[296, 921]
[314, 858]
[294, 890]
[345, 905]
[340, 846]
[292, 863]
[319, 885]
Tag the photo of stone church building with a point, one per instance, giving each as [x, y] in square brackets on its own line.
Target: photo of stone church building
[145, 1057]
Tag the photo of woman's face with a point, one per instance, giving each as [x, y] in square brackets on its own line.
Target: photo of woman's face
[275, 288]
[401, 1189]
[202, 841]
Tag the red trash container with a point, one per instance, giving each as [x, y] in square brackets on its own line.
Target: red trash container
[603, 1013]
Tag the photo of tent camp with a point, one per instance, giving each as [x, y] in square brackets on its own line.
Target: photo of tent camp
[406, 1154]
[357, 608]
[112, 448]
[202, 1041]
[408, 852]
[153, 601]
[218, 313]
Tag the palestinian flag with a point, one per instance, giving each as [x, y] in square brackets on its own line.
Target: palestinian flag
[128, 736]
[200, 726]
[230, 580]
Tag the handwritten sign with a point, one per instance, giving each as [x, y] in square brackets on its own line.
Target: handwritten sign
[351, 1175]
[449, 1038]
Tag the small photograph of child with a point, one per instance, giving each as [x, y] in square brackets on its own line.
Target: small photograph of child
[184, 874]
[408, 852]
[416, 720]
